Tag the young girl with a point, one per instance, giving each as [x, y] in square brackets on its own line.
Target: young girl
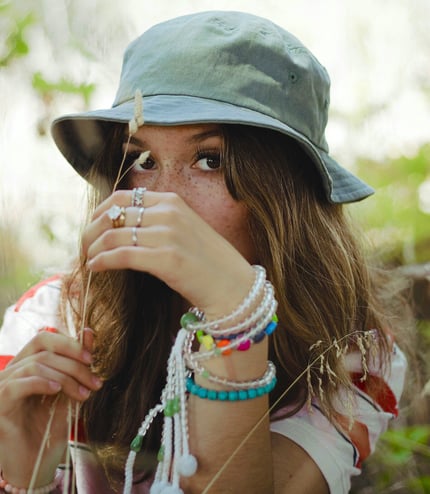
[213, 196]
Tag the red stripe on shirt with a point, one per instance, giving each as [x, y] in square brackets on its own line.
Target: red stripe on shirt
[378, 390]
[4, 360]
[358, 434]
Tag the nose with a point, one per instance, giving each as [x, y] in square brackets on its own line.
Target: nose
[171, 180]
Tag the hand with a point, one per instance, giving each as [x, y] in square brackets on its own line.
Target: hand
[47, 365]
[174, 244]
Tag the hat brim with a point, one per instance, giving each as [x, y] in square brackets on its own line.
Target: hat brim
[80, 137]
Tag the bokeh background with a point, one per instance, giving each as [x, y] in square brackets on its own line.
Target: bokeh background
[59, 56]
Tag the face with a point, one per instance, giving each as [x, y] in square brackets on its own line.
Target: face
[186, 159]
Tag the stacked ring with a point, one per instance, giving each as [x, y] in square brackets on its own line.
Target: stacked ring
[117, 216]
[139, 216]
[134, 235]
[137, 196]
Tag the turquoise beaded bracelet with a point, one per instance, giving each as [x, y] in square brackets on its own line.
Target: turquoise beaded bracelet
[234, 395]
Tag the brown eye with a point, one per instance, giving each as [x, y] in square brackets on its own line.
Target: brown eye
[209, 161]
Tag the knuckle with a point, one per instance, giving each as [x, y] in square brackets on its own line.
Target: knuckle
[120, 197]
[108, 239]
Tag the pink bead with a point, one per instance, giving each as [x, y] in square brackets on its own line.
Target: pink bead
[245, 345]
[2, 483]
[8, 488]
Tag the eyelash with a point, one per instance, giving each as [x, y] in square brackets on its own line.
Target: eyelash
[211, 154]
[200, 154]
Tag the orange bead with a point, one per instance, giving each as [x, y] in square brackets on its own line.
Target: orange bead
[223, 343]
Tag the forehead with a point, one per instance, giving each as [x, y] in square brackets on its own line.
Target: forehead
[187, 133]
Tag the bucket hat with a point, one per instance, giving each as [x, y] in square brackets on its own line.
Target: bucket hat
[219, 67]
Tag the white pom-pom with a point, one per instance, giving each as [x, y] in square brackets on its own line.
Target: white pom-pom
[187, 465]
[157, 487]
[171, 489]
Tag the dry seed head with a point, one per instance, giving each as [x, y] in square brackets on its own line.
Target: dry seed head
[320, 389]
[311, 392]
[142, 158]
[330, 374]
[137, 120]
[362, 348]
[138, 107]
[132, 126]
[338, 349]
[322, 364]
[315, 345]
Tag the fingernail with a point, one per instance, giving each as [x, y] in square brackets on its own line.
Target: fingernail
[84, 391]
[87, 357]
[98, 383]
[54, 385]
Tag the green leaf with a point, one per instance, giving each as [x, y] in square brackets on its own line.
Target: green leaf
[44, 87]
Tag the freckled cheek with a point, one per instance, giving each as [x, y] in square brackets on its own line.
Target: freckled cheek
[229, 219]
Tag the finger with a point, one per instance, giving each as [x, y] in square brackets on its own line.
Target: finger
[88, 339]
[20, 388]
[133, 217]
[156, 236]
[54, 343]
[123, 198]
[76, 380]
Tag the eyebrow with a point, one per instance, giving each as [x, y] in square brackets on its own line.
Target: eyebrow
[205, 135]
[201, 136]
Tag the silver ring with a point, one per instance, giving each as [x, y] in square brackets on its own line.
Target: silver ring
[139, 217]
[137, 196]
[134, 235]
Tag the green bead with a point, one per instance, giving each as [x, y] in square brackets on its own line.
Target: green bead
[136, 444]
[200, 333]
[168, 410]
[275, 318]
[176, 405]
[206, 374]
[217, 351]
[160, 454]
[188, 318]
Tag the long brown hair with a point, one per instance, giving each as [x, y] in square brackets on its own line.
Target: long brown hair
[322, 283]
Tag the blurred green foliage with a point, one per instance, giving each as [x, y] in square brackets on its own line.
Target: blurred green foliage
[393, 215]
[16, 45]
[65, 86]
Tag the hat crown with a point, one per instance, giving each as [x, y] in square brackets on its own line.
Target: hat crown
[235, 58]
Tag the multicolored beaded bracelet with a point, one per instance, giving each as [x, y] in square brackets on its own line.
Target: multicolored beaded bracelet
[234, 395]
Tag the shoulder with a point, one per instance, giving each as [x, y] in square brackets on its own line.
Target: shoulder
[37, 308]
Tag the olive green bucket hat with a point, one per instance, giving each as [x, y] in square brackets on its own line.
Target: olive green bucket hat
[219, 67]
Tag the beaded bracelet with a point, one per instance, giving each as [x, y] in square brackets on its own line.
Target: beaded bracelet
[7, 487]
[199, 322]
[213, 350]
[256, 383]
[234, 395]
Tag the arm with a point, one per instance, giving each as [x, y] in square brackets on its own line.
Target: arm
[294, 471]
